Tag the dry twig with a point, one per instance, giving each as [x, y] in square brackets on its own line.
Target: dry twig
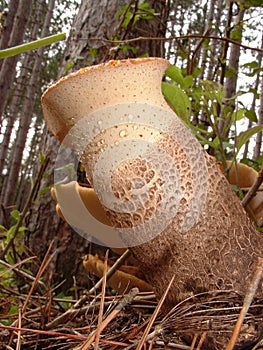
[74, 310]
[126, 300]
[247, 302]
[103, 289]
[154, 315]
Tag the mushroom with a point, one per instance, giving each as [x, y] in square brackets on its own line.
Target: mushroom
[164, 196]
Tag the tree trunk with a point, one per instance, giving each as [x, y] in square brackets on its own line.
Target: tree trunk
[208, 29]
[212, 68]
[12, 112]
[8, 69]
[260, 122]
[7, 27]
[231, 82]
[258, 144]
[26, 117]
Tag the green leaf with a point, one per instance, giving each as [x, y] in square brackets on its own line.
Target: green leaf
[127, 20]
[122, 10]
[42, 157]
[197, 71]
[215, 143]
[10, 232]
[250, 3]
[240, 114]
[3, 228]
[246, 135]
[22, 229]
[175, 74]
[93, 52]
[187, 82]
[251, 115]
[252, 65]
[15, 214]
[44, 190]
[230, 72]
[236, 35]
[178, 100]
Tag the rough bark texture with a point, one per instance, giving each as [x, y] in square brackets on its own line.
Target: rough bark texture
[96, 21]
[231, 82]
[260, 110]
[8, 71]
[7, 26]
[26, 114]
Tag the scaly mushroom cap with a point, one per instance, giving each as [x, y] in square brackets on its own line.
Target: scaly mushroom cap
[80, 93]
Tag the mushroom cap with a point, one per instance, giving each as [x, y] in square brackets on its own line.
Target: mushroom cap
[80, 93]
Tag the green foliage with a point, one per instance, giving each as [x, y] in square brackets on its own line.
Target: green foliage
[131, 15]
[65, 303]
[12, 311]
[178, 100]
[191, 101]
[8, 234]
[243, 137]
[245, 4]
[236, 35]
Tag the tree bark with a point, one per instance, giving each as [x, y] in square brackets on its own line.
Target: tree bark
[258, 144]
[8, 25]
[26, 117]
[260, 122]
[8, 69]
[231, 82]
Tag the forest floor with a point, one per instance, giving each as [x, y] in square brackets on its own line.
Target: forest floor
[99, 319]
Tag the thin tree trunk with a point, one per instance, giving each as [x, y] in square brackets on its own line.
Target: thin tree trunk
[13, 110]
[260, 122]
[231, 82]
[258, 144]
[8, 69]
[26, 117]
[208, 28]
[211, 70]
[8, 25]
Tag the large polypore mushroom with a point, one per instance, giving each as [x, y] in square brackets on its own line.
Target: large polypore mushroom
[166, 199]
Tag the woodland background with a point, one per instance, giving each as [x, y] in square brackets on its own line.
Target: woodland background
[216, 47]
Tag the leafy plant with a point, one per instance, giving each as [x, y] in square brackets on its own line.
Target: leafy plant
[132, 13]
[18, 229]
[194, 103]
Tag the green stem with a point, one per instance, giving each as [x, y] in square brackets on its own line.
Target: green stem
[16, 50]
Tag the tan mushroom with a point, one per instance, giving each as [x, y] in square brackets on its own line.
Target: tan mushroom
[157, 185]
